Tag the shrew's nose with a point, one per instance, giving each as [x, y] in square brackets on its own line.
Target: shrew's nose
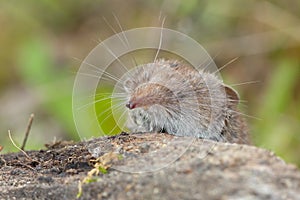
[130, 105]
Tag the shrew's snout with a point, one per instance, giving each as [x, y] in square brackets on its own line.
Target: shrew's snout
[130, 105]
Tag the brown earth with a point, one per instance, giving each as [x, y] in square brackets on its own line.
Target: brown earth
[147, 166]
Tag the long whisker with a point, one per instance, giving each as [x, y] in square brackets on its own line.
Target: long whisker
[114, 55]
[105, 111]
[92, 103]
[95, 119]
[116, 107]
[115, 32]
[125, 38]
[113, 95]
[86, 74]
[103, 78]
[227, 64]
[102, 113]
[159, 16]
[101, 99]
[160, 39]
[99, 69]
[96, 101]
[122, 115]
[244, 83]
[211, 60]
[243, 114]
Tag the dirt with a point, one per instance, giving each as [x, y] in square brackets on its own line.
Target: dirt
[147, 166]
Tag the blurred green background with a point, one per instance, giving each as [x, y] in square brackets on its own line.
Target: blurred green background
[40, 39]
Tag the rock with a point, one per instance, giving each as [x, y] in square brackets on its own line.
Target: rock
[159, 166]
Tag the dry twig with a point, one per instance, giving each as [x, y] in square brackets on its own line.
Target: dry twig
[27, 131]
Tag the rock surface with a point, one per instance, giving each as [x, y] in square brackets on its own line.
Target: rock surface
[148, 166]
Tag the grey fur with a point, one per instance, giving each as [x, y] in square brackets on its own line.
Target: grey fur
[174, 97]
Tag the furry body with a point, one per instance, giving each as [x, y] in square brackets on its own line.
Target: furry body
[170, 96]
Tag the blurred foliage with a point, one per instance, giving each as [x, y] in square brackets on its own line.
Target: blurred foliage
[276, 129]
[105, 115]
[39, 39]
[37, 70]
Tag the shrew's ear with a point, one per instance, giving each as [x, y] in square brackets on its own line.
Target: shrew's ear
[232, 95]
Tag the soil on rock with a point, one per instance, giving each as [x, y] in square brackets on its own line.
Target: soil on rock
[147, 166]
